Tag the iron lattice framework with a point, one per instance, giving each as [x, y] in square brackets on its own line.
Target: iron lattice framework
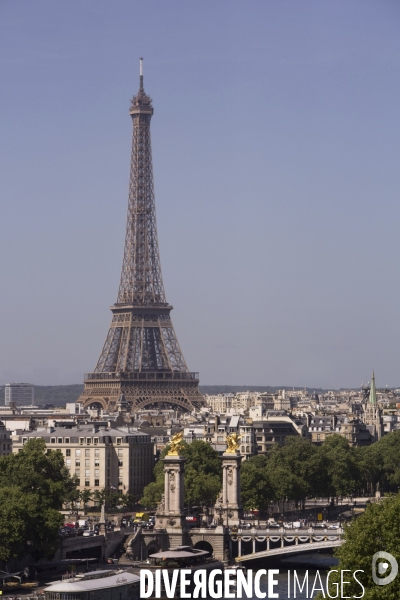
[141, 362]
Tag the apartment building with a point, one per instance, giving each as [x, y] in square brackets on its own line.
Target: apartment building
[118, 459]
[5, 440]
[320, 427]
[272, 430]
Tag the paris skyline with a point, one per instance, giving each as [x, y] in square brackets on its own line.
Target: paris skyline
[275, 153]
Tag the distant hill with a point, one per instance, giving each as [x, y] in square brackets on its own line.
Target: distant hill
[59, 395]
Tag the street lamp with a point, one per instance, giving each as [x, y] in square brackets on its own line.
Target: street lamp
[220, 520]
[353, 510]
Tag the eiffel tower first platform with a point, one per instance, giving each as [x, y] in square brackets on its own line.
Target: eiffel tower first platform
[141, 362]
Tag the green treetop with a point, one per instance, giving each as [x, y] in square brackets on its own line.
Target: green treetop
[33, 486]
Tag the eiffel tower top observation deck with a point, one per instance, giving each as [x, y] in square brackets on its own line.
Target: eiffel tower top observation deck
[141, 362]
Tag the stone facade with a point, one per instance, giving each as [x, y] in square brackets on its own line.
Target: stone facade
[118, 459]
[228, 505]
[5, 440]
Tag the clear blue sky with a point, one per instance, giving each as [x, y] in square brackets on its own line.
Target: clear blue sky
[276, 159]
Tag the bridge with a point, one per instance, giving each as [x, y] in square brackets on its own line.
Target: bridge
[279, 543]
[96, 546]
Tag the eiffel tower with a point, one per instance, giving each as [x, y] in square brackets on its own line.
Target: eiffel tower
[141, 364]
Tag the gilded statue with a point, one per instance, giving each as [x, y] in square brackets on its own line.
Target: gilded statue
[176, 444]
[232, 442]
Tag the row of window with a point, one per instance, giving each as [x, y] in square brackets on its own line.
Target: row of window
[95, 440]
[78, 462]
[268, 440]
[87, 483]
[327, 428]
[78, 453]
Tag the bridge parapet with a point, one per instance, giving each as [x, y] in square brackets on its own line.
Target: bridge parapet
[289, 550]
[284, 541]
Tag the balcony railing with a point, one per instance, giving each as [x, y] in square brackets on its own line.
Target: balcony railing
[143, 376]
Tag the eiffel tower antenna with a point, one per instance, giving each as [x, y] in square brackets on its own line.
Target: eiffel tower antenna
[141, 363]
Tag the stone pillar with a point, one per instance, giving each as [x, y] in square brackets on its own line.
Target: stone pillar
[224, 498]
[166, 490]
[170, 513]
[231, 508]
[102, 523]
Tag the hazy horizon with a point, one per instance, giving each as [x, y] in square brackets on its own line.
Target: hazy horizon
[275, 148]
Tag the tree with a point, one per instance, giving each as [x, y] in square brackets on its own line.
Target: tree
[128, 501]
[202, 479]
[112, 499]
[33, 486]
[287, 485]
[256, 488]
[85, 496]
[371, 464]
[340, 463]
[388, 449]
[99, 496]
[296, 470]
[35, 470]
[201, 489]
[203, 473]
[152, 493]
[378, 529]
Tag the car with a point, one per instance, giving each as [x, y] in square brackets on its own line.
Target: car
[276, 525]
[88, 533]
[334, 527]
[319, 526]
[246, 526]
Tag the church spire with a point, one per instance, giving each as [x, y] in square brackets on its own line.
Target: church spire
[372, 391]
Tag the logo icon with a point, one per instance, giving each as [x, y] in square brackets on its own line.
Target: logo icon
[386, 560]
